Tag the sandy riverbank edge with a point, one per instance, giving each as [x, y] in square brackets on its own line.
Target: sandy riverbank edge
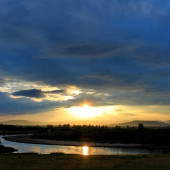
[30, 139]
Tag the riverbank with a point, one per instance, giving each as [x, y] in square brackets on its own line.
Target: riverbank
[4, 149]
[30, 139]
[72, 162]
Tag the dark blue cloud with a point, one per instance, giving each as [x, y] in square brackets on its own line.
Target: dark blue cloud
[35, 93]
[55, 91]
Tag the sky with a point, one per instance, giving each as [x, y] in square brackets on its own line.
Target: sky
[100, 60]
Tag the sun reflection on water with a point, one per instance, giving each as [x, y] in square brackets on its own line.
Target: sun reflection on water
[85, 150]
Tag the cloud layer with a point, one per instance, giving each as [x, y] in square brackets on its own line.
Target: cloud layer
[116, 51]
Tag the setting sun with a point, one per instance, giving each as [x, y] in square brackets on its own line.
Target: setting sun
[85, 111]
[85, 150]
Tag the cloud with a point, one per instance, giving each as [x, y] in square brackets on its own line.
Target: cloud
[55, 91]
[19, 106]
[2, 81]
[81, 99]
[91, 50]
[35, 93]
[152, 54]
[29, 93]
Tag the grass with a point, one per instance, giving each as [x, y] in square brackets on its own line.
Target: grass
[57, 153]
[76, 162]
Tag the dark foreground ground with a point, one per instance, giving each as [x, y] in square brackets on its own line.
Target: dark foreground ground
[62, 162]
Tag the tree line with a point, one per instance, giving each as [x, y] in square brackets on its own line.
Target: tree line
[91, 133]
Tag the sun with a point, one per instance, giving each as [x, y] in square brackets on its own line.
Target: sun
[85, 111]
[85, 150]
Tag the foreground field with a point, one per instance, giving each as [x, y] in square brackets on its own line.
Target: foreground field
[62, 162]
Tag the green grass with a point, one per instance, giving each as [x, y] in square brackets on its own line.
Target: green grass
[75, 162]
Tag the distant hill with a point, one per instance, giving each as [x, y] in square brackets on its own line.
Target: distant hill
[21, 122]
[30, 123]
[168, 122]
[145, 123]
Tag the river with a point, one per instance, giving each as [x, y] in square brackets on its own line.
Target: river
[83, 150]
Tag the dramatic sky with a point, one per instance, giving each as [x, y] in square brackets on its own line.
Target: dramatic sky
[113, 56]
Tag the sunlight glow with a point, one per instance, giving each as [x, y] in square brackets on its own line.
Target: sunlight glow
[72, 90]
[85, 111]
[85, 150]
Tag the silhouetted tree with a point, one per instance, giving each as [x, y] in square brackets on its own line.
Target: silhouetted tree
[140, 126]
